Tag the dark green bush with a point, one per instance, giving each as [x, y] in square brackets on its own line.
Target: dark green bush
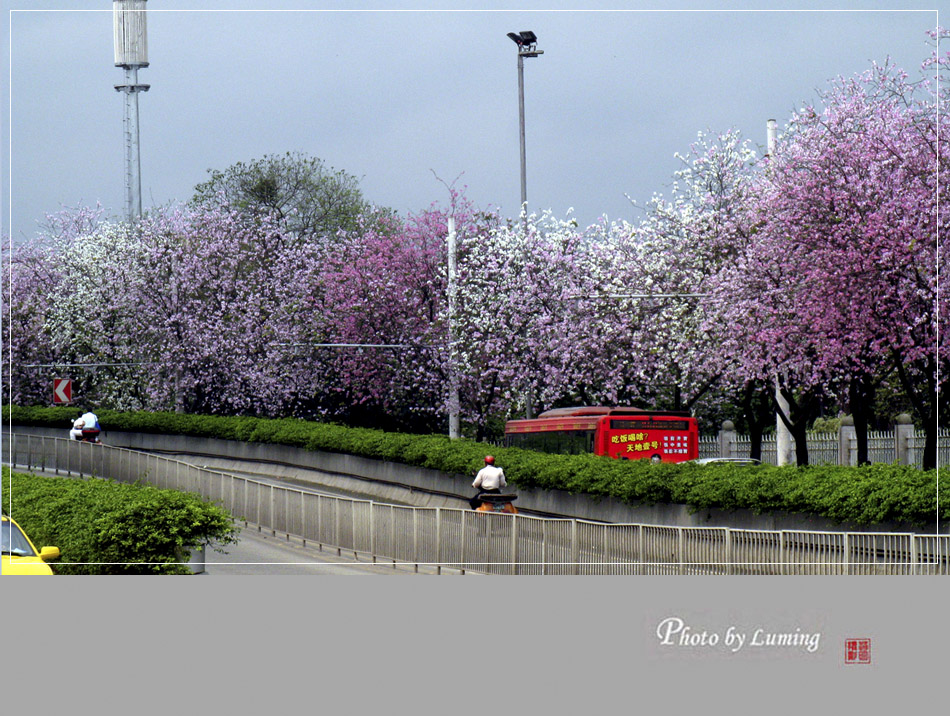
[106, 527]
[864, 495]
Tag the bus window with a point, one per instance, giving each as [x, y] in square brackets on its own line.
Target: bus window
[557, 442]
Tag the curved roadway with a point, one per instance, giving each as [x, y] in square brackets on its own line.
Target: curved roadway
[263, 552]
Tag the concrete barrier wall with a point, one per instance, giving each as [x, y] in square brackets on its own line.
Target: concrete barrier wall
[421, 487]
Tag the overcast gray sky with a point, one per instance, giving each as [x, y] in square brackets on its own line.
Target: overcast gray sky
[393, 96]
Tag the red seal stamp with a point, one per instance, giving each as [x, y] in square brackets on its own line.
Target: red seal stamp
[857, 651]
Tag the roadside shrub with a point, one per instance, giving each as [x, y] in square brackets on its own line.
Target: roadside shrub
[859, 496]
[106, 527]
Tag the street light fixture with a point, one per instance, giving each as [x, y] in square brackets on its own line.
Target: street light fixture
[527, 43]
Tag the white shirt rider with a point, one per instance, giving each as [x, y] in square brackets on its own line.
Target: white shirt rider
[490, 478]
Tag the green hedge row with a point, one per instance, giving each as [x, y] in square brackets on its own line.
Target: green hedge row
[859, 496]
[106, 527]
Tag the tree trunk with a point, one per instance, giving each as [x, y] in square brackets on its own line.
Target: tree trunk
[801, 412]
[755, 439]
[926, 407]
[756, 408]
[799, 432]
[930, 449]
[860, 399]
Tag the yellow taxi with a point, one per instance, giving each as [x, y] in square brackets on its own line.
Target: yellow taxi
[17, 553]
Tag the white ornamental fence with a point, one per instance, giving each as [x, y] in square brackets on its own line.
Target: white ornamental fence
[903, 445]
[493, 543]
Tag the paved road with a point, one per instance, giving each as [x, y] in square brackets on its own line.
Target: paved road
[272, 474]
[263, 553]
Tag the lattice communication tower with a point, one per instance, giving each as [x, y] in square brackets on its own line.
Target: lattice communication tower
[131, 53]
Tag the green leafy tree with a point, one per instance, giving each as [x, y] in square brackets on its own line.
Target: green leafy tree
[309, 199]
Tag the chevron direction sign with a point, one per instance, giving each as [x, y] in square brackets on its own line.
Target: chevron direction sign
[62, 391]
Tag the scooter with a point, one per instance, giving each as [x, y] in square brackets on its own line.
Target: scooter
[83, 434]
[497, 503]
[90, 436]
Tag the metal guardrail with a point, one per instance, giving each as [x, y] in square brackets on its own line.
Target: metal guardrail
[494, 543]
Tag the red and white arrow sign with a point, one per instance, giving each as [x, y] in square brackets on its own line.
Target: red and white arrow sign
[62, 391]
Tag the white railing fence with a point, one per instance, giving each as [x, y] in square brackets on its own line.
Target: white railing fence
[494, 543]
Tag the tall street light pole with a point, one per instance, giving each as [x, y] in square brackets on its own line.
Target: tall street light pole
[527, 43]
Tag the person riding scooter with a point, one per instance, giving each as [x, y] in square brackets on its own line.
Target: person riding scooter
[90, 427]
[490, 479]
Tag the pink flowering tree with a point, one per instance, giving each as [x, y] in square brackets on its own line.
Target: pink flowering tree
[379, 288]
[938, 69]
[29, 277]
[219, 311]
[818, 267]
[837, 290]
[384, 296]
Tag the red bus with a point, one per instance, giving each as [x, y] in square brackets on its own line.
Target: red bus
[624, 433]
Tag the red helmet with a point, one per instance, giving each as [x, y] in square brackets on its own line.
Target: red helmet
[489, 460]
